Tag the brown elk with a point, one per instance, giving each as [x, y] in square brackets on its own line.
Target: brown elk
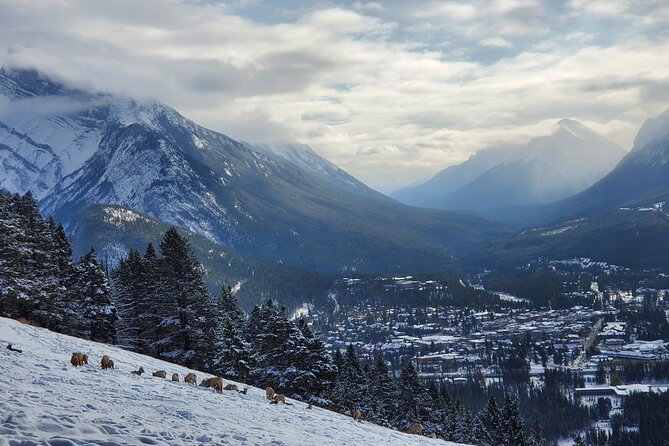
[77, 359]
[138, 372]
[190, 379]
[175, 377]
[106, 363]
[216, 383]
[160, 374]
[416, 429]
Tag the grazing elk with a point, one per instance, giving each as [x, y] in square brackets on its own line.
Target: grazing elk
[278, 398]
[160, 374]
[138, 372]
[106, 363]
[416, 429]
[190, 379]
[357, 415]
[175, 377]
[77, 359]
[216, 383]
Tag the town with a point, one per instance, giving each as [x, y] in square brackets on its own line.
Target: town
[605, 325]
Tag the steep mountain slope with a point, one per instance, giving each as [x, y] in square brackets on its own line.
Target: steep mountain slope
[632, 237]
[47, 401]
[546, 169]
[278, 204]
[113, 230]
[622, 218]
[641, 177]
[431, 192]
[47, 130]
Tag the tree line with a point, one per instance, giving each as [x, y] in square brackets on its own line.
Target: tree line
[156, 303]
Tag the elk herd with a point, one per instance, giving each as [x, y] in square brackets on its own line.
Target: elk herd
[79, 359]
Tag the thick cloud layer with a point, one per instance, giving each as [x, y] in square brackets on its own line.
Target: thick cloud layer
[391, 91]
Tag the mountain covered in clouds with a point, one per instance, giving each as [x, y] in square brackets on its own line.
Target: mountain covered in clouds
[74, 149]
[546, 169]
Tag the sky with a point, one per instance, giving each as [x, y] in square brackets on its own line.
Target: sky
[390, 91]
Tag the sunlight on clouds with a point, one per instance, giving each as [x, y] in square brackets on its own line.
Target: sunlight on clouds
[390, 92]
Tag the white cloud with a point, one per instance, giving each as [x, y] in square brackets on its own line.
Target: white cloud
[390, 110]
[495, 42]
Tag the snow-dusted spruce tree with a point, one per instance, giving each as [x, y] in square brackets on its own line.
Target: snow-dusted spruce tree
[234, 357]
[227, 304]
[35, 263]
[97, 313]
[414, 400]
[129, 294]
[321, 372]
[286, 361]
[512, 425]
[488, 425]
[383, 393]
[464, 424]
[187, 313]
[351, 389]
[436, 410]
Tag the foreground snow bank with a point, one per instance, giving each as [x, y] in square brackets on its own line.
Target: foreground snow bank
[46, 401]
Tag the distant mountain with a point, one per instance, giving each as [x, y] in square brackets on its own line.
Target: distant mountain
[545, 169]
[431, 192]
[623, 218]
[640, 179]
[278, 203]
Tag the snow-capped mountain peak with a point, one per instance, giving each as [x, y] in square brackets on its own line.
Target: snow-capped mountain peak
[653, 130]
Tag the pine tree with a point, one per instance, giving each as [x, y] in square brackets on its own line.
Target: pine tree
[413, 399]
[579, 441]
[512, 425]
[317, 363]
[187, 313]
[351, 391]
[98, 314]
[129, 294]
[536, 437]
[383, 392]
[488, 425]
[234, 356]
[227, 303]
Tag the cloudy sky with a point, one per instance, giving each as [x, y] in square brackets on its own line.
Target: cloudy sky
[390, 91]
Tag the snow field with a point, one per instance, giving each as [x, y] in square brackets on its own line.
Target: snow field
[44, 400]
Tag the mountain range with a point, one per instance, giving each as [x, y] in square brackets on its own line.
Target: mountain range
[279, 203]
[546, 169]
[622, 218]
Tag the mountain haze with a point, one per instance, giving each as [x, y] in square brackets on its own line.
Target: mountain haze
[545, 169]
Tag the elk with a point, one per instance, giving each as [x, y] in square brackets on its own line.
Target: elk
[106, 363]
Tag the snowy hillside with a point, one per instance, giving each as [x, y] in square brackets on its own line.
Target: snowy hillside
[47, 401]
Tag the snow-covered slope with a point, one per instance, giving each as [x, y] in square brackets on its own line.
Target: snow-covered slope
[47, 401]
